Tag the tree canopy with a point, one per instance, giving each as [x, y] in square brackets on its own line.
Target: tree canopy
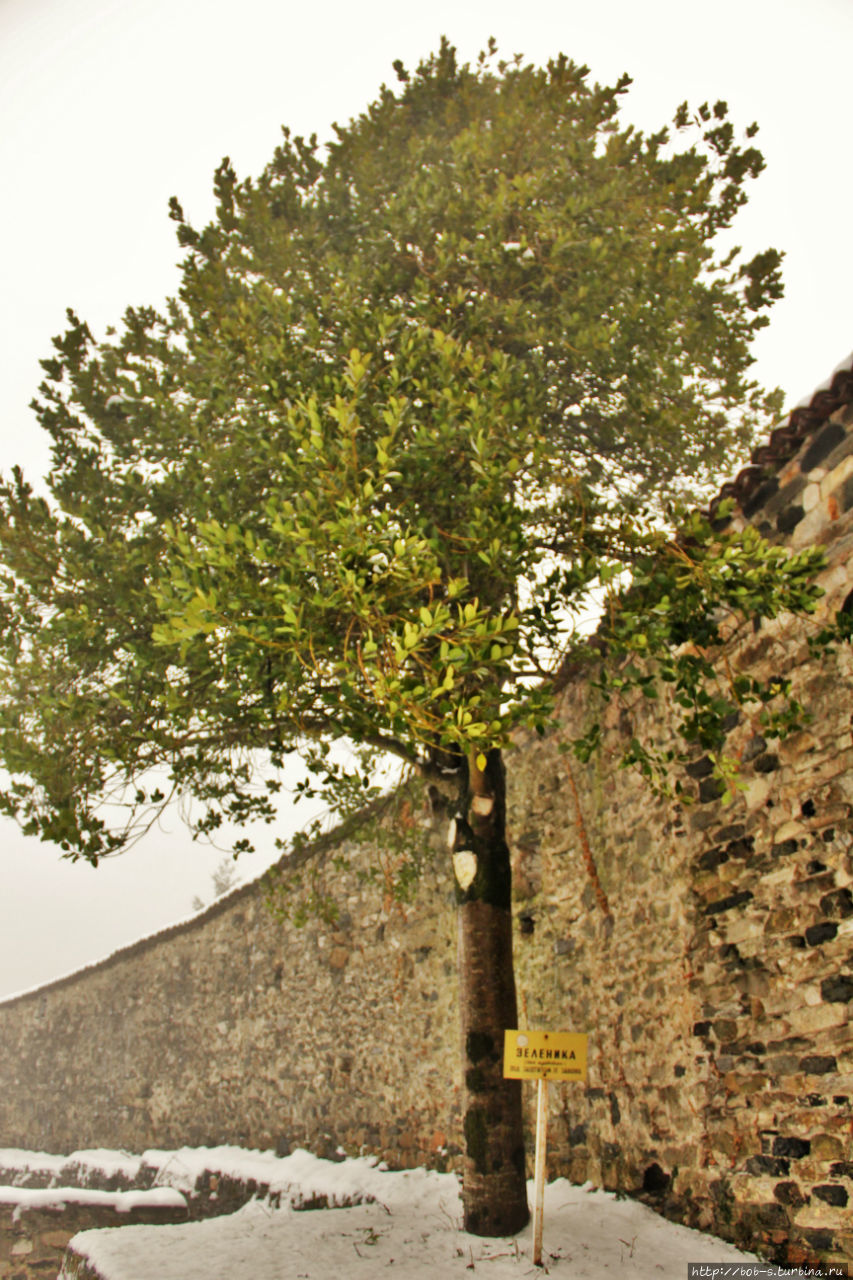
[427, 393]
[415, 401]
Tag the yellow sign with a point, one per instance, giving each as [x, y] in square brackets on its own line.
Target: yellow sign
[544, 1055]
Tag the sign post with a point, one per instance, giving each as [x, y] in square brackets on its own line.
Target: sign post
[539, 1167]
[543, 1056]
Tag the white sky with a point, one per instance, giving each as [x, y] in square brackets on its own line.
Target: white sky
[109, 107]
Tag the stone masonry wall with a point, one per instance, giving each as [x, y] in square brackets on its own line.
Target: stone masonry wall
[717, 994]
[240, 1028]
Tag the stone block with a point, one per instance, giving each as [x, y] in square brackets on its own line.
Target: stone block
[744, 1085]
[55, 1239]
[817, 1216]
[810, 497]
[797, 745]
[792, 830]
[767, 1167]
[824, 931]
[836, 476]
[739, 930]
[818, 1064]
[809, 528]
[807, 1021]
[789, 1193]
[825, 1146]
[755, 793]
[829, 437]
[789, 518]
[781, 920]
[838, 989]
[793, 1147]
[831, 1193]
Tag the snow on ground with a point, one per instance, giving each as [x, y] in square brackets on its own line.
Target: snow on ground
[405, 1224]
[298, 1177]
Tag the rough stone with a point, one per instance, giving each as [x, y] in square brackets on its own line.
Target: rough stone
[796, 1148]
[817, 1065]
[831, 1193]
[826, 1146]
[838, 988]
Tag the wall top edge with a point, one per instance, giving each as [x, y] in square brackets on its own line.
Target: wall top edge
[188, 924]
[785, 441]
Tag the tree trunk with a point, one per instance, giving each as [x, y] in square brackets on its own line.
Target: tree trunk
[494, 1188]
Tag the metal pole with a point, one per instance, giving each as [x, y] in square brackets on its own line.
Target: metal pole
[539, 1168]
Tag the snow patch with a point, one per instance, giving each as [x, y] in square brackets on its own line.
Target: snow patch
[407, 1223]
[121, 1201]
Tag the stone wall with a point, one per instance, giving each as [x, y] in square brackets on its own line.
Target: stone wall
[716, 994]
[33, 1242]
[240, 1028]
[79, 1194]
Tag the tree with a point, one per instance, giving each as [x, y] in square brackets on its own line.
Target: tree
[424, 394]
[224, 878]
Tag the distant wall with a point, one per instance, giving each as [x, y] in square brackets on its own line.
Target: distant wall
[717, 997]
[238, 1028]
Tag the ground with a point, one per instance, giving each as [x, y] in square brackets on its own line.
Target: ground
[404, 1224]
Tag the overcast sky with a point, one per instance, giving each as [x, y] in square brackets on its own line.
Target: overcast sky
[109, 107]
